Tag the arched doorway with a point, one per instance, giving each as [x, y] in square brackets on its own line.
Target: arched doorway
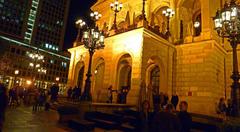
[98, 81]
[125, 77]
[79, 74]
[197, 23]
[124, 72]
[80, 77]
[190, 17]
[155, 79]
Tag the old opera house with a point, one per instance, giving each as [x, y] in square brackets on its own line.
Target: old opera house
[194, 62]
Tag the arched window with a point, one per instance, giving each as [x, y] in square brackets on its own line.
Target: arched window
[197, 23]
[155, 79]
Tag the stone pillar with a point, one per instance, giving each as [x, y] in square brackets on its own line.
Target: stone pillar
[71, 69]
[133, 94]
[206, 19]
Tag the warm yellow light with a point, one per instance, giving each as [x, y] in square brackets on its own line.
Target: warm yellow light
[57, 79]
[31, 64]
[38, 65]
[29, 82]
[96, 71]
[16, 72]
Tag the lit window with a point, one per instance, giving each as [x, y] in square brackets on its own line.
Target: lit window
[64, 64]
[51, 61]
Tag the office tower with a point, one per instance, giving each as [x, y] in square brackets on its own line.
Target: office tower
[40, 23]
[27, 26]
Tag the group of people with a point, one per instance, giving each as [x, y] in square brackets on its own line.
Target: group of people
[18, 94]
[224, 109]
[161, 100]
[35, 96]
[41, 97]
[74, 94]
[166, 119]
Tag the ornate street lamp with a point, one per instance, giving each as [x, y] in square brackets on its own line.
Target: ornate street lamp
[227, 25]
[16, 72]
[168, 13]
[116, 7]
[93, 39]
[80, 24]
[36, 64]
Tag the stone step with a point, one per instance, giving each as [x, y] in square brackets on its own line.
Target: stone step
[81, 125]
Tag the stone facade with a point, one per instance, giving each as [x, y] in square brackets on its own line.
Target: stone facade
[195, 66]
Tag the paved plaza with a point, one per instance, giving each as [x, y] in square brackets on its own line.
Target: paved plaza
[22, 119]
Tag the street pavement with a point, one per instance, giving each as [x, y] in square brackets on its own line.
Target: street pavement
[22, 119]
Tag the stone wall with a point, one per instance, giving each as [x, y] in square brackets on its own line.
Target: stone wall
[115, 47]
[159, 52]
[200, 75]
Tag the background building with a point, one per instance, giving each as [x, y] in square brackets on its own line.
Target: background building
[194, 62]
[29, 26]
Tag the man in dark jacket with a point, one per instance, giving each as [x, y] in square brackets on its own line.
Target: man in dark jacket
[175, 100]
[184, 117]
[69, 93]
[54, 92]
[165, 121]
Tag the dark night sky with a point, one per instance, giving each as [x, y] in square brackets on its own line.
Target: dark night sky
[78, 9]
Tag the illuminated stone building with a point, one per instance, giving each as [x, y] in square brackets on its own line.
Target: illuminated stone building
[30, 25]
[194, 62]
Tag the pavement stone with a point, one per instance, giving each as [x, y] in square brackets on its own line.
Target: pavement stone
[22, 119]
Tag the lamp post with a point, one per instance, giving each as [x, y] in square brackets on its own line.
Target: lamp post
[16, 72]
[93, 39]
[168, 13]
[227, 25]
[116, 7]
[79, 23]
[36, 64]
[143, 10]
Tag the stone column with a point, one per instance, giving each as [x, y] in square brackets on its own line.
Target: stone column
[71, 69]
[206, 8]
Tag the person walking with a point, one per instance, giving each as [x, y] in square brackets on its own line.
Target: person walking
[74, 93]
[222, 108]
[54, 92]
[36, 100]
[229, 111]
[184, 117]
[69, 93]
[78, 94]
[3, 104]
[110, 95]
[174, 100]
[10, 96]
